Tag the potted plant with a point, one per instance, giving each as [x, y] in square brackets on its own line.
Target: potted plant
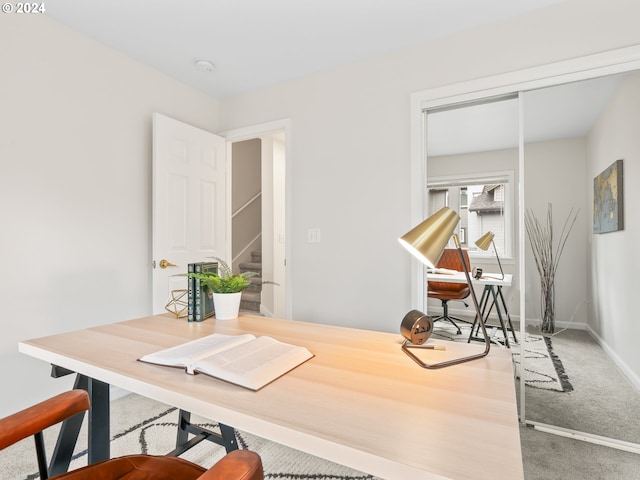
[226, 287]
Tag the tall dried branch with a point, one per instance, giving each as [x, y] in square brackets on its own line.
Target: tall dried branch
[547, 260]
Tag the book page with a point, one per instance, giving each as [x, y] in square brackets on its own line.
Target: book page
[254, 364]
[186, 354]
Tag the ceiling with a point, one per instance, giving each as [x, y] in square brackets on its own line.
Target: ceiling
[256, 43]
[563, 111]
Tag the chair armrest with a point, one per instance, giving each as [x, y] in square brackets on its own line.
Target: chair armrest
[236, 465]
[34, 419]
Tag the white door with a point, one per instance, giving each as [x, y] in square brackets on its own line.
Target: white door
[189, 195]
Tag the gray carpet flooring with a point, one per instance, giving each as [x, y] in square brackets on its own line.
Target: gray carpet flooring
[602, 403]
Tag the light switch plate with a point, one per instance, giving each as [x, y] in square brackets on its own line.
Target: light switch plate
[313, 235]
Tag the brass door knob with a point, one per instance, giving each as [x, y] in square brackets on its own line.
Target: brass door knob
[165, 263]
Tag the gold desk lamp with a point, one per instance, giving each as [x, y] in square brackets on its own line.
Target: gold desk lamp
[427, 241]
[483, 244]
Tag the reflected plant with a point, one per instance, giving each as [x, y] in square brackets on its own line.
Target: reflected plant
[547, 260]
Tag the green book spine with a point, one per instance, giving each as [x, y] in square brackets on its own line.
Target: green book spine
[190, 294]
[203, 303]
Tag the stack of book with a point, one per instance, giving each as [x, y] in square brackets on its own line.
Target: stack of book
[200, 298]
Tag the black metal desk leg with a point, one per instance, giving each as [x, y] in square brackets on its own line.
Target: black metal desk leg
[99, 415]
[483, 306]
[506, 310]
[69, 430]
[226, 437]
[504, 329]
[229, 438]
[182, 436]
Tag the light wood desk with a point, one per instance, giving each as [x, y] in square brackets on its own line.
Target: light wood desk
[360, 401]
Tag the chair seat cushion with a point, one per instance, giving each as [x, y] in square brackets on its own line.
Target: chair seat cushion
[137, 467]
[445, 294]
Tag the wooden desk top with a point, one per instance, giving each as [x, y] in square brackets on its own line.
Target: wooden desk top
[360, 401]
[459, 277]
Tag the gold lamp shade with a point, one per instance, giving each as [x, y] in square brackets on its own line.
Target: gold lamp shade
[485, 240]
[428, 240]
[483, 244]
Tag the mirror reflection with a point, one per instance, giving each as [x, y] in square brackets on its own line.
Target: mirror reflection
[584, 375]
[571, 133]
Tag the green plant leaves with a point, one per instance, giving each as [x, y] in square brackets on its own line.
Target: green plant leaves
[225, 281]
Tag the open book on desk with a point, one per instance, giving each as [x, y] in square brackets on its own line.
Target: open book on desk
[241, 359]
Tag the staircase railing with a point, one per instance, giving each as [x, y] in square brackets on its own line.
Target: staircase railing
[256, 237]
[246, 204]
[247, 247]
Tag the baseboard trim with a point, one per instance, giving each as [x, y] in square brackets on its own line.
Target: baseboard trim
[627, 372]
[586, 437]
[515, 319]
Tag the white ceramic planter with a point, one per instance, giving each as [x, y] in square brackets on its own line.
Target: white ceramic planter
[227, 305]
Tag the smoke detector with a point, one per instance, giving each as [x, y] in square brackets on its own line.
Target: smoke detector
[204, 65]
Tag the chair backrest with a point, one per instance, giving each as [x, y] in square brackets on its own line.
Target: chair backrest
[450, 260]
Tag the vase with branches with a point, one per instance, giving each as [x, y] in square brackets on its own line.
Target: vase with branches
[547, 258]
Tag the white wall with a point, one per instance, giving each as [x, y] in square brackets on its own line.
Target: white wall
[613, 259]
[75, 188]
[555, 174]
[351, 158]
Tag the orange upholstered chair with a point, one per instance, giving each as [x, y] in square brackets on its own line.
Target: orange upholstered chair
[236, 465]
[445, 291]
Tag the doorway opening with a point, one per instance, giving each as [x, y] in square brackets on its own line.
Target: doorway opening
[257, 160]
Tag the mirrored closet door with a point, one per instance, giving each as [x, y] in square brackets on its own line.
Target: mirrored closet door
[522, 165]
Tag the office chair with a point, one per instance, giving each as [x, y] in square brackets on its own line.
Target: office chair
[445, 291]
[236, 465]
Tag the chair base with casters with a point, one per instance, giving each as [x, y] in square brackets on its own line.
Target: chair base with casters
[445, 311]
[236, 465]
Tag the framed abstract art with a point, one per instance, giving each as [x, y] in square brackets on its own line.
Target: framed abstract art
[608, 200]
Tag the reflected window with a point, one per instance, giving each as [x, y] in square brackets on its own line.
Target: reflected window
[483, 204]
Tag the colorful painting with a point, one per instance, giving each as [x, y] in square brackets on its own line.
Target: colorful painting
[608, 211]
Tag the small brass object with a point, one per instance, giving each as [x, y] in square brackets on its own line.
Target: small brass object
[165, 263]
[177, 304]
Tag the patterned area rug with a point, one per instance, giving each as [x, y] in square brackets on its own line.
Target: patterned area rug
[279, 462]
[543, 368]
[141, 425]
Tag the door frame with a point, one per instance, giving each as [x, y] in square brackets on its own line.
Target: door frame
[566, 71]
[256, 131]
